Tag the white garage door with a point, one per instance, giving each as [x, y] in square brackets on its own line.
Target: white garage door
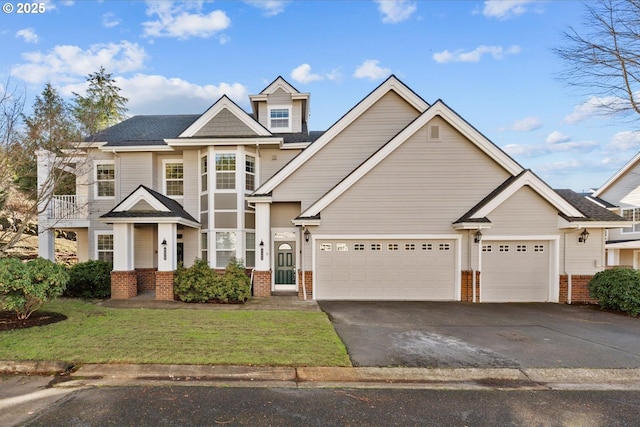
[385, 269]
[515, 271]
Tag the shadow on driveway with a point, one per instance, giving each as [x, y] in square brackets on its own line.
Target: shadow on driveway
[465, 335]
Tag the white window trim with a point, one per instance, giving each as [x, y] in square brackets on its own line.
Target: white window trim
[164, 177]
[254, 173]
[96, 163]
[201, 173]
[280, 129]
[235, 172]
[95, 242]
[237, 244]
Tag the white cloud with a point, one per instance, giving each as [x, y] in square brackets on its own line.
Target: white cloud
[562, 167]
[110, 20]
[525, 150]
[395, 11]
[155, 94]
[534, 150]
[183, 20]
[504, 9]
[557, 137]
[625, 141]
[497, 52]
[303, 74]
[527, 124]
[269, 7]
[66, 63]
[28, 35]
[596, 107]
[370, 69]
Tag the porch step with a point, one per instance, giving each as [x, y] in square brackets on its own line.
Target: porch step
[284, 293]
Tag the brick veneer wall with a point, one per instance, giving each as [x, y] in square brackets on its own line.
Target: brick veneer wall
[308, 284]
[124, 284]
[579, 290]
[262, 283]
[467, 286]
[164, 285]
[146, 279]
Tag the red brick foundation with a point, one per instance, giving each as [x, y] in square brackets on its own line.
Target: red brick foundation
[124, 284]
[164, 285]
[262, 283]
[466, 287]
[579, 290]
[308, 284]
[146, 279]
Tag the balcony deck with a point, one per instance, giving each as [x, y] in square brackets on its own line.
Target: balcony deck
[69, 211]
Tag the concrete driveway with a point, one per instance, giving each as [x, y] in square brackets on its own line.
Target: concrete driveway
[454, 335]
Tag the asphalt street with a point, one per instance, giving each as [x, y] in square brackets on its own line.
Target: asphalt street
[205, 406]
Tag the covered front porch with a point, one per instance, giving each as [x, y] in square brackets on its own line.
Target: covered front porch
[151, 234]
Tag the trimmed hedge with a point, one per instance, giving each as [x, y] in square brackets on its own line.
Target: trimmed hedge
[90, 279]
[617, 289]
[199, 283]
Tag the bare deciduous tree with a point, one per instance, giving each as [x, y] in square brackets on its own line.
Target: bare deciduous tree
[604, 60]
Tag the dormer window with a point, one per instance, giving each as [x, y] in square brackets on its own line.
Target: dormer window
[280, 119]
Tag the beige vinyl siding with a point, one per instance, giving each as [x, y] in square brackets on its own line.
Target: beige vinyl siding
[191, 181]
[626, 257]
[281, 98]
[584, 258]
[191, 239]
[225, 123]
[347, 150]
[525, 212]
[283, 213]
[132, 170]
[272, 160]
[144, 241]
[82, 242]
[420, 188]
[622, 186]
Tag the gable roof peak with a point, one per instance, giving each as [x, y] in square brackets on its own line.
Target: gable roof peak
[278, 82]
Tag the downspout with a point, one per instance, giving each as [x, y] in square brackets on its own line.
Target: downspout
[304, 285]
[473, 272]
[569, 280]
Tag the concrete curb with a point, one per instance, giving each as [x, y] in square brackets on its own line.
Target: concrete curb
[34, 367]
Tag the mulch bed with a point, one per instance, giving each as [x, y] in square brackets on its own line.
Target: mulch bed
[9, 320]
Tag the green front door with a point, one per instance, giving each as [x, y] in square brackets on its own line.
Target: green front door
[285, 263]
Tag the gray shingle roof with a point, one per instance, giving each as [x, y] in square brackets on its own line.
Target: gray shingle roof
[175, 208]
[145, 130]
[591, 210]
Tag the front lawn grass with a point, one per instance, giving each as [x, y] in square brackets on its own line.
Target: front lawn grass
[94, 334]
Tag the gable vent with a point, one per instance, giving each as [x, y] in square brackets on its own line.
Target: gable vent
[434, 133]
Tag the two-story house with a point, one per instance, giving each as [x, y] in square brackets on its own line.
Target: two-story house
[399, 199]
[621, 194]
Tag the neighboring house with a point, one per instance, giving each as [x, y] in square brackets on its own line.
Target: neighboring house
[399, 199]
[621, 194]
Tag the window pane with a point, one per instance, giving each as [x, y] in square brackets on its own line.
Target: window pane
[225, 180]
[175, 188]
[106, 189]
[225, 162]
[225, 240]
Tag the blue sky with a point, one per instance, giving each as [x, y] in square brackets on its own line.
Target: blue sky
[491, 61]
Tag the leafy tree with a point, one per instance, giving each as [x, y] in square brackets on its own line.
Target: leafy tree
[102, 106]
[604, 60]
[26, 287]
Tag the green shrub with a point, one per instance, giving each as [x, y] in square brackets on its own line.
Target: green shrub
[617, 289]
[24, 288]
[90, 279]
[199, 283]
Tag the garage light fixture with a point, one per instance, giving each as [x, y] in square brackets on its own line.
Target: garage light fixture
[582, 238]
[307, 234]
[478, 237]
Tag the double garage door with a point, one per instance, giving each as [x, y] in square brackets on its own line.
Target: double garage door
[370, 269]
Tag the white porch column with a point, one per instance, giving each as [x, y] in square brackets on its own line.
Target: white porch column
[123, 244]
[46, 236]
[263, 235]
[167, 247]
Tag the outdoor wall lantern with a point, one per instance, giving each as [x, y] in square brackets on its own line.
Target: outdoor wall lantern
[582, 238]
[478, 237]
[164, 248]
[307, 234]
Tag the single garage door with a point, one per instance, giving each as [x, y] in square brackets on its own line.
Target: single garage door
[385, 269]
[515, 271]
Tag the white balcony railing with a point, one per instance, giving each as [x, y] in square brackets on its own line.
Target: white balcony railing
[68, 207]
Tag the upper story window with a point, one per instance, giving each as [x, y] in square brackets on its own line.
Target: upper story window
[204, 168]
[280, 119]
[632, 214]
[105, 179]
[225, 171]
[174, 178]
[250, 173]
